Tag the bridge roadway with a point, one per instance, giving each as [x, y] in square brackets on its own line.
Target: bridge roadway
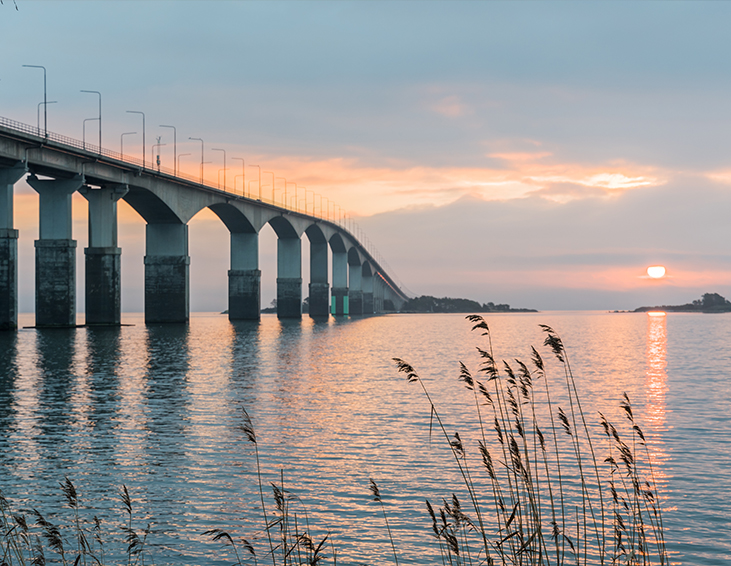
[57, 166]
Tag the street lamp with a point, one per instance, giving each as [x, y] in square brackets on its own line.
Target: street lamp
[200, 140]
[224, 167]
[143, 133]
[259, 168]
[243, 170]
[121, 142]
[100, 114]
[38, 112]
[175, 147]
[83, 128]
[152, 153]
[177, 168]
[284, 196]
[45, 98]
[272, 174]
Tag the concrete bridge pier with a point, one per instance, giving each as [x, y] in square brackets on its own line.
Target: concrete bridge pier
[244, 277]
[367, 284]
[289, 277]
[355, 290]
[167, 271]
[103, 286]
[377, 293]
[9, 248]
[340, 284]
[55, 252]
[319, 287]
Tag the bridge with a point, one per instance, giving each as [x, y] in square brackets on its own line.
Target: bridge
[56, 166]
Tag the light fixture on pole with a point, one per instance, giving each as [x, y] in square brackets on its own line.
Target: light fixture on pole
[45, 98]
[175, 147]
[200, 140]
[284, 196]
[38, 112]
[224, 166]
[259, 168]
[152, 153]
[272, 174]
[177, 168]
[143, 133]
[243, 171]
[121, 142]
[100, 114]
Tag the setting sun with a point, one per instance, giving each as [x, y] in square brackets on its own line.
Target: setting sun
[656, 271]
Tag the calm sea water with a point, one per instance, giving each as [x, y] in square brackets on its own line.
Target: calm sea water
[158, 409]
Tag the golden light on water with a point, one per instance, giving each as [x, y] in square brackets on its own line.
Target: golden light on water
[656, 271]
[656, 382]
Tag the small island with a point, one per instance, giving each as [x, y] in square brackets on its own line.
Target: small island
[709, 303]
[427, 303]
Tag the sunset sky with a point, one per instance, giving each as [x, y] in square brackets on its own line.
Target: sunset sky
[541, 154]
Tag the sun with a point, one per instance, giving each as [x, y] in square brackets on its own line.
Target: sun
[656, 271]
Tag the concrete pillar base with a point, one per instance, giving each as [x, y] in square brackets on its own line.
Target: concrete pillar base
[319, 300]
[289, 297]
[103, 286]
[244, 294]
[355, 302]
[55, 283]
[339, 301]
[8, 279]
[368, 304]
[166, 288]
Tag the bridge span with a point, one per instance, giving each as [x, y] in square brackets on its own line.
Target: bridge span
[56, 166]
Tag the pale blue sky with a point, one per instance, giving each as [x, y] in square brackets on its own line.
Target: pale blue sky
[395, 109]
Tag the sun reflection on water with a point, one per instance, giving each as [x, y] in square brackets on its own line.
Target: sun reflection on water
[656, 382]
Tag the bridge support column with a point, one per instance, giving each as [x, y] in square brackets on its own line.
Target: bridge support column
[55, 252]
[319, 287]
[244, 278]
[340, 284]
[355, 290]
[378, 294]
[167, 270]
[8, 248]
[368, 307]
[103, 287]
[289, 278]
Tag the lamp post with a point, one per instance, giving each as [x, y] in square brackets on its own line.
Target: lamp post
[179, 156]
[100, 114]
[272, 174]
[121, 142]
[143, 133]
[83, 128]
[259, 168]
[327, 210]
[152, 153]
[200, 140]
[224, 167]
[38, 112]
[285, 190]
[175, 147]
[45, 98]
[243, 171]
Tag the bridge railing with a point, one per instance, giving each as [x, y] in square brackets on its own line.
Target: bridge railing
[348, 225]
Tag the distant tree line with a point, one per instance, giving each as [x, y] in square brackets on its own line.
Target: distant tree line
[710, 302]
[427, 303]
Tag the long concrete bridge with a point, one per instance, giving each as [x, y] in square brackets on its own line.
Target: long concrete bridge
[56, 166]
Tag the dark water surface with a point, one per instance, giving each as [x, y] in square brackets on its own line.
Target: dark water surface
[158, 408]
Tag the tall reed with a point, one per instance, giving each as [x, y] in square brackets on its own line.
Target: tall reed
[535, 492]
[551, 500]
